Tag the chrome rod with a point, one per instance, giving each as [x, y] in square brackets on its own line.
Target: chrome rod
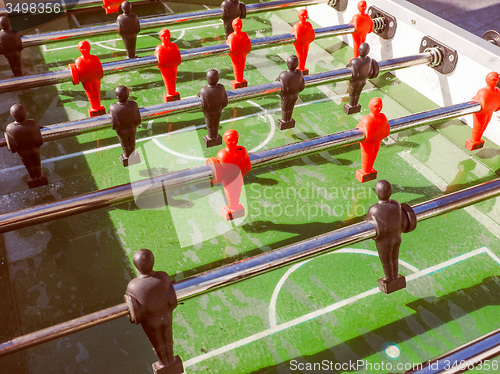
[66, 129]
[467, 356]
[162, 21]
[352, 136]
[118, 194]
[260, 264]
[31, 81]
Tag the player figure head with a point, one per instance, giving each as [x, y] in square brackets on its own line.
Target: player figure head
[375, 105]
[121, 93]
[84, 48]
[212, 77]
[231, 138]
[364, 49]
[144, 261]
[165, 35]
[237, 24]
[362, 6]
[492, 79]
[383, 189]
[292, 62]
[126, 7]
[18, 112]
[5, 23]
[303, 15]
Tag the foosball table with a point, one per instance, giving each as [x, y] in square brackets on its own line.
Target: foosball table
[178, 148]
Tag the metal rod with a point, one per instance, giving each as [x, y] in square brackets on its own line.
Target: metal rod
[73, 128]
[260, 264]
[162, 21]
[39, 80]
[466, 356]
[119, 194]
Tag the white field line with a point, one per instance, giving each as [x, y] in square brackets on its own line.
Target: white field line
[167, 7]
[330, 308]
[272, 130]
[183, 30]
[191, 128]
[274, 298]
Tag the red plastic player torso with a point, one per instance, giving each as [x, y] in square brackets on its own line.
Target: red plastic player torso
[363, 24]
[489, 100]
[111, 6]
[168, 55]
[239, 43]
[303, 32]
[238, 157]
[375, 127]
[89, 68]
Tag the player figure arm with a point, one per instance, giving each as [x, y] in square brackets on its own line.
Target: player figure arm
[225, 101]
[20, 45]
[375, 69]
[37, 135]
[363, 126]
[137, 115]
[11, 143]
[137, 25]
[114, 118]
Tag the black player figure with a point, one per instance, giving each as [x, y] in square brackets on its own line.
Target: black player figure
[292, 82]
[129, 27]
[362, 68]
[232, 9]
[151, 300]
[24, 137]
[213, 100]
[125, 117]
[11, 46]
[390, 219]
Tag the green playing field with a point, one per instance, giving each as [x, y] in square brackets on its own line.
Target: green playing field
[325, 310]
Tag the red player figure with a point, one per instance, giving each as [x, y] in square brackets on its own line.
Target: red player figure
[23, 136]
[169, 58]
[304, 35]
[229, 168]
[240, 45]
[87, 69]
[151, 300]
[363, 24]
[489, 98]
[375, 127]
[11, 46]
[111, 6]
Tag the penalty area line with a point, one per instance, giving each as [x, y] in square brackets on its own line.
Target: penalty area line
[320, 312]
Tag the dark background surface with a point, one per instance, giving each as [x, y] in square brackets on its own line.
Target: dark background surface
[476, 16]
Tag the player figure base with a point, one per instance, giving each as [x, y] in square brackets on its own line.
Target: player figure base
[472, 145]
[209, 142]
[363, 176]
[229, 214]
[305, 72]
[284, 125]
[242, 84]
[38, 182]
[130, 58]
[348, 109]
[174, 367]
[390, 285]
[168, 98]
[97, 112]
[133, 159]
